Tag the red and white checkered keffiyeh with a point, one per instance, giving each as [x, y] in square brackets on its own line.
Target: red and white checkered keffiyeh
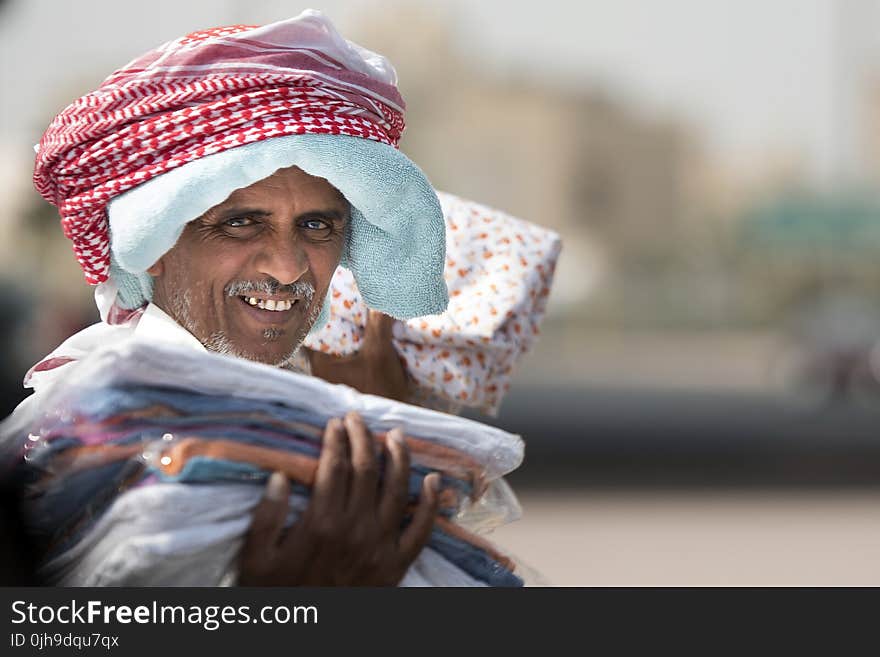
[204, 93]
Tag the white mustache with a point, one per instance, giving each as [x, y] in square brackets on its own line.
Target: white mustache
[300, 289]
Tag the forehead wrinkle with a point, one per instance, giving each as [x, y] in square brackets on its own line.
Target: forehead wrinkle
[277, 196]
[278, 193]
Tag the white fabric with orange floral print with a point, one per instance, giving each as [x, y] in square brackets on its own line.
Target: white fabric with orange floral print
[499, 270]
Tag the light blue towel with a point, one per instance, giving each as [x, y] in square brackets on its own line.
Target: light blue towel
[397, 246]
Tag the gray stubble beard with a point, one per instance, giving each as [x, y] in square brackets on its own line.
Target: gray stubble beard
[180, 304]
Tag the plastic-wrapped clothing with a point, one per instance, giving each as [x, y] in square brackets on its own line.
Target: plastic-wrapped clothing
[139, 541]
[101, 439]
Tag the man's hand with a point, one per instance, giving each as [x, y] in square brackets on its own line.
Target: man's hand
[350, 533]
[375, 369]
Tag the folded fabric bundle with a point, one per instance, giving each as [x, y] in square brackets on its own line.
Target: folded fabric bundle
[139, 541]
[134, 417]
[499, 271]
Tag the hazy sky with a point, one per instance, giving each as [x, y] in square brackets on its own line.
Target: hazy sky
[754, 76]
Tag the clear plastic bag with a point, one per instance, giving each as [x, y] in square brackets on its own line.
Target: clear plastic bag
[137, 430]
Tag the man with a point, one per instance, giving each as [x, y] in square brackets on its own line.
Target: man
[211, 188]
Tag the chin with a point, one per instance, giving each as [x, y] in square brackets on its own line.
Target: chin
[276, 360]
[275, 356]
[269, 353]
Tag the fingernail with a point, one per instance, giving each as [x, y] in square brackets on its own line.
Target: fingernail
[276, 488]
[396, 436]
[435, 482]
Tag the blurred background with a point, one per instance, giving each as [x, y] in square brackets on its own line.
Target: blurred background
[703, 403]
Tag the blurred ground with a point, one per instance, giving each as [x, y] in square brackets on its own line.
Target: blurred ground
[705, 538]
[684, 461]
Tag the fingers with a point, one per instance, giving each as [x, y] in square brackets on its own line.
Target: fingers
[395, 490]
[365, 470]
[416, 535]
[331, 478]
[268, 518]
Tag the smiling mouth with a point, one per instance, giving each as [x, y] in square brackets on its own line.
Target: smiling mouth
[272, 305]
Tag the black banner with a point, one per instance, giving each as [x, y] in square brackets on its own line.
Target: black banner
[243, 620]
[254, 621]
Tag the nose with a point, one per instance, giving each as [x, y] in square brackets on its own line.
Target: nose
[283, 259]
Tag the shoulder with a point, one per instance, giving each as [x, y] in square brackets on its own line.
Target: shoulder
[75, 348]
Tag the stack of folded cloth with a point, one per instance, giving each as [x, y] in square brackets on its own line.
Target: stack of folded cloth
[143, 465]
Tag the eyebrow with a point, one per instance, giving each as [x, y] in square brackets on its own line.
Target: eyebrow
[335, 215]
[329, 213]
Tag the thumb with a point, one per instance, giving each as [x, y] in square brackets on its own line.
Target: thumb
[268, 518]
[379, 330]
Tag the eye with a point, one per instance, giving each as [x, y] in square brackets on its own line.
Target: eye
[317, 228]
[238, 222]
[315, 224]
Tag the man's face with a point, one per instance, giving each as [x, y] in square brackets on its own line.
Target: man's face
[249, 276]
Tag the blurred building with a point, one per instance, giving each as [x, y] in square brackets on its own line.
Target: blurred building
[610, 181]
[871, 130]
[651, 217]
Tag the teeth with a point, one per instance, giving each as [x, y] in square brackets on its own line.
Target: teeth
[270, 304]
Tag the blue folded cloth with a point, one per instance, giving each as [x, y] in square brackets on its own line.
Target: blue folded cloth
[69, 496]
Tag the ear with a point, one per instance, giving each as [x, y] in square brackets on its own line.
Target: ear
[157, 268]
